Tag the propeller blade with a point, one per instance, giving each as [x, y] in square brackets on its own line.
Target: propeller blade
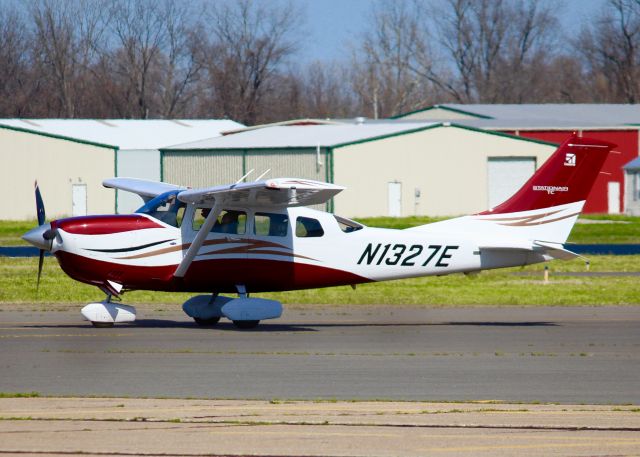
[39, 205]
[40, 262]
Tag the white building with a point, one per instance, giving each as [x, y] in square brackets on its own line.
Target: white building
[71, 157]
[391, 168]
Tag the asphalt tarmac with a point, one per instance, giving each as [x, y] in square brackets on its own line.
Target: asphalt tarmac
[567, 355]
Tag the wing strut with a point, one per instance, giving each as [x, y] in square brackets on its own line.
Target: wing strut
[196, 244]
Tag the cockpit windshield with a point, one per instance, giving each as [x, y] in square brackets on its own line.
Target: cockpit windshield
[347, 225]
[166, 208]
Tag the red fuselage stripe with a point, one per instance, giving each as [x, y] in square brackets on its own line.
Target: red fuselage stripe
[214, 275]
[104, 225]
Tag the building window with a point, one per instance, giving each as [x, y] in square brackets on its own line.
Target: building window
[271, 224]
[307, 227]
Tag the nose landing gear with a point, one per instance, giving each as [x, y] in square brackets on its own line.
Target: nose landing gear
[106, 314]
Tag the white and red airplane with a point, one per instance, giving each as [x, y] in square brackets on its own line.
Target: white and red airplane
[257, 237]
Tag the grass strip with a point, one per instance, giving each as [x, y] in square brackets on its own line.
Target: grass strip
[490, 288]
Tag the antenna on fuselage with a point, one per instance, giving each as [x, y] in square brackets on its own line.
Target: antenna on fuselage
[244, 177]
[262, 175]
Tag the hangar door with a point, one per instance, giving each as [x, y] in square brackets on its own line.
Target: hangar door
[505, 175]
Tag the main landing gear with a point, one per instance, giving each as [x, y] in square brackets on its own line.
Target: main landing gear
[206, 310]
[244, 312]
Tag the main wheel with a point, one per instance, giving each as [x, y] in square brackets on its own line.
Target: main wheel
[246, 324]
[206, 322]
[102, 324]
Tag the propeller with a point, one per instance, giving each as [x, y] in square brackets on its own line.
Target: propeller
[41, 219]
[39, 205]
[41, 236]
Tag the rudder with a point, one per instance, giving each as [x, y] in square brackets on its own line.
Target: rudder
[566, 177]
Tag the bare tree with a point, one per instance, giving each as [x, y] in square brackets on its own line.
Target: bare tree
[140, 35]
[611, 48]
[392, 66]
[182, 67]
[326, 91]
[498, 48]
[250, 44]
[64, 46]
[16, 71]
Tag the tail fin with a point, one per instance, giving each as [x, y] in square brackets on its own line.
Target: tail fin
[566, 177]
[546, 207]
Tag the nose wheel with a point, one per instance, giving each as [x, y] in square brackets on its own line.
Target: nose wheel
[105, 314]
[246, 324]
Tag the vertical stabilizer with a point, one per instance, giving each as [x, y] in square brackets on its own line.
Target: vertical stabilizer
[548, 204]
[566, 177]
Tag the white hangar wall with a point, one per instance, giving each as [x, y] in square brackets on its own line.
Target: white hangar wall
[217, 167]
[448, 164]
[58, 164]
[138, 163]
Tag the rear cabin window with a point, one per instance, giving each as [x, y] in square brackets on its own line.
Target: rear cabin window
[228, 221]
[347, 225]
[271, 224]
[307, 227]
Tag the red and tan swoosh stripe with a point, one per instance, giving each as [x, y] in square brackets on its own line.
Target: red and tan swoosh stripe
[250, 250]
[251, 244]
[527, 221]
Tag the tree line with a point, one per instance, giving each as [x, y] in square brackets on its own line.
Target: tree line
[140, 59]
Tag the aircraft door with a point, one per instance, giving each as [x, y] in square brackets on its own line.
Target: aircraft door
[270, 250]
[224, 252]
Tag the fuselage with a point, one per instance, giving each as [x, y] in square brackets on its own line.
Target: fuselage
[286, 249]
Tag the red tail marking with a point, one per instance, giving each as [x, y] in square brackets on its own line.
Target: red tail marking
[566, 177]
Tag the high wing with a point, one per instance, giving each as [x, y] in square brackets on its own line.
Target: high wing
[146, 189]
[281, 192]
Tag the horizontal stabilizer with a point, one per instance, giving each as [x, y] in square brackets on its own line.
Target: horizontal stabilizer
[553, 250]
[557, 250]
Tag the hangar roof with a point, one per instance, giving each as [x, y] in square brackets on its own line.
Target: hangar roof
[342, 133]
[125, 133]
[578, 113]
[540, 124]
[303, 136]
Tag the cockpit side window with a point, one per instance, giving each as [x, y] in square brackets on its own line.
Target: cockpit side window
[229, 221]
[307, 227]
[166, 208]
[347, 225]
[271, 224]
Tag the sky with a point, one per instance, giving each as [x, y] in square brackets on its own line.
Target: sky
[333, 25]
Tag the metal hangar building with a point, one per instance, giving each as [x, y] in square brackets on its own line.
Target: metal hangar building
[393, 168]
[70, 158]
[617, 123]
